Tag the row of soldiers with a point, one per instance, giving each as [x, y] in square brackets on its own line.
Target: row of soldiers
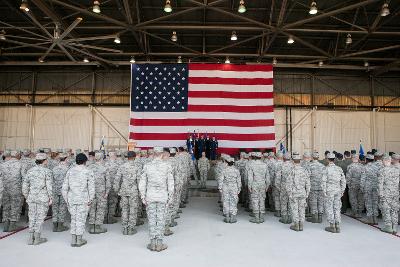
[297, 185]
[87, 187]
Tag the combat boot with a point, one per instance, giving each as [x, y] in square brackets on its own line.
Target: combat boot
[12, 227]
[160, 245]
[331, 228]
[6, 226]
[92, 229]
[152, 245]
[139, 221]
[283, 219]
[277, 213]
[289, 219]
[256, 218]
[369, 220]
[173, 224]
[387, 229]
[301, 226]
[251, 214]
[337, 227]
[261, 218]
[233, 219]
[37, 240]
[31, 238]
[62, 227]
[125, 230]
[320, 217]
[177, 216]
[374, 220]
[99, 230]
[295, 227]
[226, 219]
[80, 241]
[55, 227]
[394, 227]
[131, 231]
[73, 241]
[167, 231]
[179, 211]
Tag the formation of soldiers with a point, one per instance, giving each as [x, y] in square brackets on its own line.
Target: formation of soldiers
[95, 188]
[303, 188]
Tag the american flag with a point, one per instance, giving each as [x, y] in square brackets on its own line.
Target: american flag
[234, 103]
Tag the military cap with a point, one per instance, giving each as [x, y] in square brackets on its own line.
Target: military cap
[386, 157]
[230, 159]
[315, 154]
[26, 152]
[14, 153]
[370, 156]
[172, 150]
[307, 154]
[7, 153]
[257, 154]
[378, 154]
[266, 154]
[63, 155]
[41, 156]
[158, 149]
[296, 156]
[331, 156]
[271, 154]
[396, 156]
[98, 155]
[246, 156]
[112, 154]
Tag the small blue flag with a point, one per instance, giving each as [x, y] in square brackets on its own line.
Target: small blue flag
[361, 149]
[282, 148]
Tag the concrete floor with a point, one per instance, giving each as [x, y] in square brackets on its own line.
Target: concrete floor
[202, 239]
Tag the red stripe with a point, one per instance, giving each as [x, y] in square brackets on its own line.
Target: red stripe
[230, 67]
[237, 95]
[201, 122]
[238, 109]
[236, 81]
[219, 136]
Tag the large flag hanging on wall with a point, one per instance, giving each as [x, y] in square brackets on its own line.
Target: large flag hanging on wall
[234, 103]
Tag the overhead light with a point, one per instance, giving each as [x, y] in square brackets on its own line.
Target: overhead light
[242, 7]
[174, 37]
[274, 61]
[86, 60]
[290, 40]
[179, 59]
[24, 6]
[366, 64]
[313, 9]
[41, 60]
[96, 7]
[168, 7]
[348, 39]
[2, 35]
[132, 60]
[233, 36]
[227, 61]
[321, 63]
[117, 40]
[385, 10]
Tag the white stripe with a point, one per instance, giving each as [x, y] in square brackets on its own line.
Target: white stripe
[231, 74]
[203, 115]
[221, 143]
[231, 101]
[231, 88]
[202, 129]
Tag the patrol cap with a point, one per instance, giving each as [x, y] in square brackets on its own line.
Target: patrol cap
[378, 154]
[279, 154]
[119, 153]
[112, 154]
[41, 156]
[387, 158]
[14, 153]
[63, 155]
[315, 154]
[331, 156]
[172, 150]
[98, 155]
[131, 154]
[246, 156]
[296, 156]
[143, 152]
[230, 159]
[7, 153]
[396, 156]
[46, 150]
[26, 152]
[158, 149]
[271, 154]
[242, 154]
[265, 154]
[307, 154]
[370, 156]
[287, 156]
[257, 154]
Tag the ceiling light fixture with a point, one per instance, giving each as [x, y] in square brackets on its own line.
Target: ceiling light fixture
[174, 37]
[132, 60]
[227, 61]
[96, 7]
[385, 10]
[24, 6]
[348, 39]
[117, 40]
[242, 7]
[290, 40]
[274, 61]
[41, 60]
[2, 35]
[168, 7]
[86, 60]
[313, 9]
[233, 36]
[321, 63]
[179, 59]
[366, 64]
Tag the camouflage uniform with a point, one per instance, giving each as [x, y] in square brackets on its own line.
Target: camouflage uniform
[188, 169]
[353, 179]
[240, 165]
[12, 194]
[126, 186]
[1, 186]
[26, 164]
[298, 188]
[258, 183]
[156, 187]
[281, 176]
[203, 165]
[277, 168]
[112, 199]
[389, 177]
[333, 186]
[59, 206]
[37, 189]
[99, 204]
[230, 187]
[369, 186]
[316, 196]
[170, 213]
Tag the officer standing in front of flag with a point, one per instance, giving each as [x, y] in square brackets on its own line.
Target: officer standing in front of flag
[213, 148]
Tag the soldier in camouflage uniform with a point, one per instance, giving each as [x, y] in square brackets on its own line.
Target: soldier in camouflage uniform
[353, 179]
[389, 178]
[156, 187]
[189, 171]
[184, 159]
[258, 184]
[1, 185]
[37, 189]
[78, 191]
[277, 167]
[316, 196]
[280, 184]
[369, 186]
[102, 187]
[12, 194]
[178, 183]
[112, 199]
[333, 186]
[126, 186]
[298, 188]
[203, 164]
[59, 206]
[230, 187]
[26, 162]
[172, 161]
[240, 165]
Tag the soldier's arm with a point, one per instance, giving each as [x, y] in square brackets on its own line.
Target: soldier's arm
[380, 183]
[25, 187]
[91, 187]
[267, 179]
[143, 185]
[65, 187]
[170, 184]
[117, 180]
[49, 186]
[308, 185]
[323, 181]
[1, 186]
